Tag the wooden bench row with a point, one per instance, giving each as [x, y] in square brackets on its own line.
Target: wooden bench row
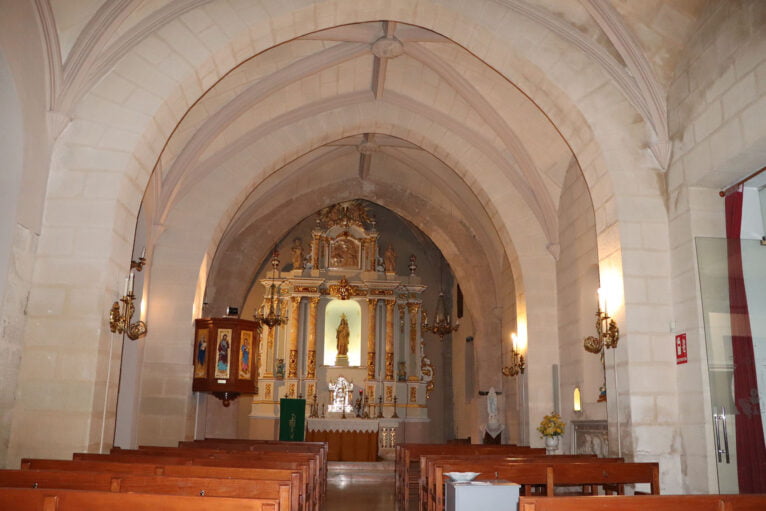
[278, 477]
[407, 462]
[545, 473]
[645, 503]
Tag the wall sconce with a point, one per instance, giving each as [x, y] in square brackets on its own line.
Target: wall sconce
[608, 336]
[120, 315]
[139, 265]
[576, 400]
[608, 332]
[517, 359]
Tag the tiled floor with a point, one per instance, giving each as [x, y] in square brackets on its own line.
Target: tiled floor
[360, 487]
[363, 496]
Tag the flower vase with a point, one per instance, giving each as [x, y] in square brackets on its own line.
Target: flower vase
[551, 444]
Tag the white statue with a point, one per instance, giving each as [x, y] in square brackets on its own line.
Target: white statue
[493, 427]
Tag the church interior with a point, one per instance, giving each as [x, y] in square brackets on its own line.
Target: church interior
[435, 221]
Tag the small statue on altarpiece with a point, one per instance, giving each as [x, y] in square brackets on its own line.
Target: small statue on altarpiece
[389, 258]
[342, 336]
[297, 253]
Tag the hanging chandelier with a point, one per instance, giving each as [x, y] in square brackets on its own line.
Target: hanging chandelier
[272, 317]
[442, 324]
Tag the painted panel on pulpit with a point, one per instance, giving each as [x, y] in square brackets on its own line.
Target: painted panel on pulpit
[222, 351]
[200, 353]
[245, 348]
[342, 333]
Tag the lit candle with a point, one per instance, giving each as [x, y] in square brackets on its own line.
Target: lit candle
[601, 300]
[130, 283]
[514, 341]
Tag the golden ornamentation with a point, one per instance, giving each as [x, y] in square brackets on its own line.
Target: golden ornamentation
[291, 390]
[310, 390]
[346, 214]
[343, 290]
[120, 316]
[389, 366]
[267, 390]
[370, 365]
[312, 363]
[305, 289]
[427, 371]
[389, 393]
[381, 292]
[413, 394]
[292, 364]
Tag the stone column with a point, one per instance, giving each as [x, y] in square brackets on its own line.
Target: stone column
[269, 373]
[292, 347]
[390, 340]
[315, 235]
[311, 366]
[372, 305]
[414, 310]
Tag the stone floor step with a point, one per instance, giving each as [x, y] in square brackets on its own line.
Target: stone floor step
[349, 472]
[367, 466]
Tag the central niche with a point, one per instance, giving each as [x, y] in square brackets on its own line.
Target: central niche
[335, 312]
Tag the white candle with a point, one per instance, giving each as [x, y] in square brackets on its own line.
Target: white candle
[130, 283]
[143, 253]
[126, 287]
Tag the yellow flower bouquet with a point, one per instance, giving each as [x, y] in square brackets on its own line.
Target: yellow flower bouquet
[551, 425]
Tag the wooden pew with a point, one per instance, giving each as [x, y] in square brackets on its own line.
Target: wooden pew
[209, 457]
[430, 461]
[165, 485]
[646, 503]
[27, 499]
[407, 475]
[575, 473]
[294, 478]
[267, 445]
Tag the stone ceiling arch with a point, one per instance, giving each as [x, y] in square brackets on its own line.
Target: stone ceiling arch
[254, 235]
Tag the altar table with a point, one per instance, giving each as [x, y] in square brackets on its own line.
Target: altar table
[347, 439]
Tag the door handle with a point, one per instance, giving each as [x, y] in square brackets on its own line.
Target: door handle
[725, 435]
[717, 435]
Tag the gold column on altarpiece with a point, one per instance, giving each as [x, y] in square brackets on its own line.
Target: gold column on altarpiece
[292, 364]
[312, 338]
[390, 340]
[372, 304]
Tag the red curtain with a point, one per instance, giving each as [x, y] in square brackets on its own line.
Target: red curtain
[751, 450]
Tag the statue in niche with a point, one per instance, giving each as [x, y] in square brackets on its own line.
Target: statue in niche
[297, 252]
[344, 254]
[342, 336]
[390, 259]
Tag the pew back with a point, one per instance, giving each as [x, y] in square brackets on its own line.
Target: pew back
[25, 499]
[646, 502]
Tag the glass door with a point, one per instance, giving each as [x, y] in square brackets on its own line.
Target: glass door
[712, 259]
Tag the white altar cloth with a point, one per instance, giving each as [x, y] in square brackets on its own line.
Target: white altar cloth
[360, 425]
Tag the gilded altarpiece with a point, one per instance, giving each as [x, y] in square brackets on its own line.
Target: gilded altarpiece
[343, 305]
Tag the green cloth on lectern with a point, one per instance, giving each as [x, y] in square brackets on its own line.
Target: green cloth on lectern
[292, 420]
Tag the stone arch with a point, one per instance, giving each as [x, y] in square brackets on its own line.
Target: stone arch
[145, 125]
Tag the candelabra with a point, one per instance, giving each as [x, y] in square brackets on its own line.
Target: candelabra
[517, 359]
[608, 334]
[442, 322]
[606, 328]
[272, 317]
[121, 314]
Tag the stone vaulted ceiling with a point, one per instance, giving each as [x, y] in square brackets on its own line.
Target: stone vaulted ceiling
[384, 110]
